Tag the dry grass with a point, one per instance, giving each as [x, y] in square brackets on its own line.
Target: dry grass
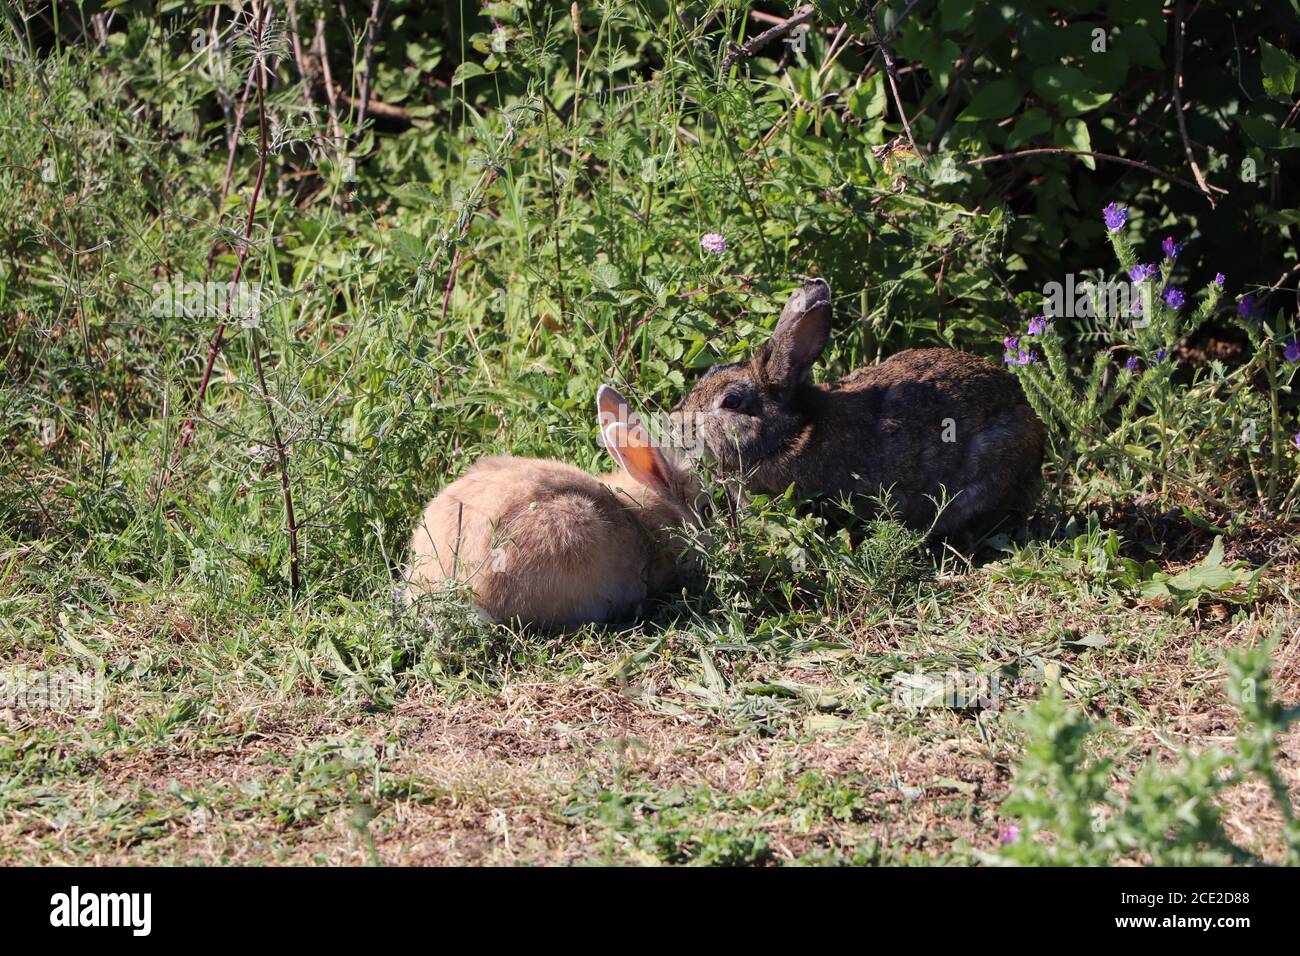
[457, 775]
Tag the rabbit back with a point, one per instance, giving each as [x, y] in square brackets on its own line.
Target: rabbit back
[540, 541]
[924, 425]
[946, 423]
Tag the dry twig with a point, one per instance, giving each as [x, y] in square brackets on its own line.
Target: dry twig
[767, 37]
[891, 73]
[1066, 151]
[1180, 28]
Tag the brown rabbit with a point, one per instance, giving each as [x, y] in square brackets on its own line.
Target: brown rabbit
[921, 424]
[550, 545]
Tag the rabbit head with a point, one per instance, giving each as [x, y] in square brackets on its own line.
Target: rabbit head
[746, 412]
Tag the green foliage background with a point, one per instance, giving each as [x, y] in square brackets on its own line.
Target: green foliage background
[569, 176]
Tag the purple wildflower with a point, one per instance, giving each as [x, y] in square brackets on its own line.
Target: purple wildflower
[1011, 342]
[714, 243]
[1219, 279]
[1140, 272]
[1132, 363]
[1009, 834]
[1038, 325]
[1174, 298]
[1246, 306]
[1292, 351]
[1297, 439]
[1171, 248]
[1027, 358]
[1161, 355]
[1115, 217]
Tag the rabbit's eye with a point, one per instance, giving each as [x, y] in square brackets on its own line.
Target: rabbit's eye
[731, 400]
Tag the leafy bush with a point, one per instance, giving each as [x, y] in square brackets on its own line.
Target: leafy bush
[518, 218]
[1071, 813]
[1215, 436]
[1093, 558]
[765, 558]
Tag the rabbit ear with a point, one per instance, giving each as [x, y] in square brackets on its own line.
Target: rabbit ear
[801, 334]
[629, 443]
[612, 407]
[636, 454]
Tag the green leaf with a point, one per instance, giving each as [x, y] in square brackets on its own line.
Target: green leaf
[1279, 70]
[717, 685]
[407, 246]
[1033, 122]
[802, 120]
[827, 724]
[1073, 133]
[1073, 91]
[467, 71]
[956, 14]
[1053, 82]
[997, 100]
[1141, 47]
[1093, 640]
[1075, 104]
[938, 58]
[1208, 577]
[1109, 72]
[1268, 134]
[868, 100]
[606, 275]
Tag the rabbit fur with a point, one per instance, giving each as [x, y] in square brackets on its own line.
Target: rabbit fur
[550, 545]
[922, 425]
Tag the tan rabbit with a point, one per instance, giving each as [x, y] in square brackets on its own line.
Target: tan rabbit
[550, 545]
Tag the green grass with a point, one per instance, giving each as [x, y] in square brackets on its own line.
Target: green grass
[793, 705]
